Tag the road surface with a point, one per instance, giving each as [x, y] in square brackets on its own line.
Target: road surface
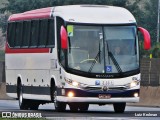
[94, 112]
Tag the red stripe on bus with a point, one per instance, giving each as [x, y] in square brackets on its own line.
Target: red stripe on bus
[26, 50]
[29, 17]
[34, 14]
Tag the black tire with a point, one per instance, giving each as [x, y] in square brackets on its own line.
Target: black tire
[73, 107]
[59, 106]
[83, 106]
[23, 104]
[52, 90]
[119, 107]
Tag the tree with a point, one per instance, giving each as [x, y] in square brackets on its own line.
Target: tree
[150, 19]
[3, 23]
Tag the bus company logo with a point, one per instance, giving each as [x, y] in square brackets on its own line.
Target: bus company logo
[105, 88]
[6, 115]
[104, 76]
[20, 115]
[97, 82]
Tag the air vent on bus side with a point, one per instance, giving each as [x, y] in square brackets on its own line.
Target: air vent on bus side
[100, 6]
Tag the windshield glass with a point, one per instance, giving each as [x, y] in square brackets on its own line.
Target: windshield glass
[102, 49]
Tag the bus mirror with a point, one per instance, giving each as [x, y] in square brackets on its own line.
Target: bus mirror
[64, 38]
[146, 36]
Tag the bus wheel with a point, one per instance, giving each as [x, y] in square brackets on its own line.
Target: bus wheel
[119, 107]
[73, 107]
[59, 106]
[52, 90]
[22, 102]
[83, 106]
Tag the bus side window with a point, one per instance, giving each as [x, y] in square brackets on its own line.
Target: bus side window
[61, 54]
[26, 33]
[11, 33]
[18, 37]
[51, 34]
[43, 33]
[34, 33]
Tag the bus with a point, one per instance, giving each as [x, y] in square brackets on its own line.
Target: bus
[74, 55]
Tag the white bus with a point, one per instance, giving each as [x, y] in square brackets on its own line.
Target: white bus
[76, 55]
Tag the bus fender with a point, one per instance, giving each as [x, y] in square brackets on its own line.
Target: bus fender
[19, 77]
[55, 81]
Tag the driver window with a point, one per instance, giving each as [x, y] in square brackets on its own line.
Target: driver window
[77, 50]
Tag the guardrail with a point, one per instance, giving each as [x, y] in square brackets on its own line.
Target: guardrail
[150, 72]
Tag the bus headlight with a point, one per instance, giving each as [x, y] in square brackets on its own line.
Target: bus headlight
[75, 84]
[134, 83]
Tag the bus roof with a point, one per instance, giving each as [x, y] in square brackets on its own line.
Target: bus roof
[98, 14]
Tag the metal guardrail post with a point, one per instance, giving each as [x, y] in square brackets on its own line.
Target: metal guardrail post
[150, 63]
[159, 79]
[158, 21]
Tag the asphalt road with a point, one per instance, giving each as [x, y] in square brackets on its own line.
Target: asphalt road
[94, 112]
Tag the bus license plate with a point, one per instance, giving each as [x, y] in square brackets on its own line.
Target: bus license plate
[104, 96]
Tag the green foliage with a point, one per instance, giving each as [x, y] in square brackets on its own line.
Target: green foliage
[3, 23]
[150, 19]
[156, 50]
[18, 6]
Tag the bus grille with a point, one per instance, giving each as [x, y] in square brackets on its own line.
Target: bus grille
[99, 88]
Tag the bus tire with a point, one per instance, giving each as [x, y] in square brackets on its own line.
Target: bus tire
[119, 107]
[83, 106]
[73, 107]
[59, 106]
[52, 90]
[23, 104]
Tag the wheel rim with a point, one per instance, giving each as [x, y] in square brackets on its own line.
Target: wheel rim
[20, 96]
[55, 98]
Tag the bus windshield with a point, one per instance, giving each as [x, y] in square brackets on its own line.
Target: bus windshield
[103, 49]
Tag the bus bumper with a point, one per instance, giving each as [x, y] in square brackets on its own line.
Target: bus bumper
[97, 100]
[99, 96]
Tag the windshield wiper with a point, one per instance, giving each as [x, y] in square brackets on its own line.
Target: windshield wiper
[115, 62]
[94, 62]
[113, 59]
[109, 55]
[95, 59]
